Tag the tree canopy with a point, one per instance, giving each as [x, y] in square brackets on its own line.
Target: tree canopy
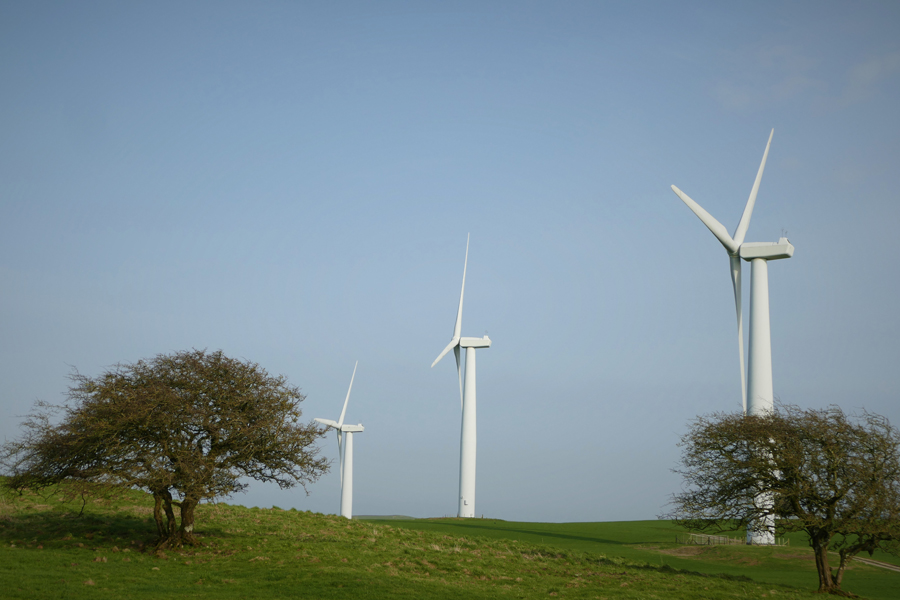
[185, 427]
[834, 477]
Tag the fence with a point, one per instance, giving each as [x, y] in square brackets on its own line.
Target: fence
[696, 539]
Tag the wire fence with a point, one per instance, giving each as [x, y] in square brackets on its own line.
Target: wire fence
[698, 539]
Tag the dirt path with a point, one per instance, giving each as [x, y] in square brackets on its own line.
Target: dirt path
[877, 563]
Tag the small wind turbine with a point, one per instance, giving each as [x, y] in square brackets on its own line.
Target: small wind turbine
[345, 452]
[758, 395]
[467, 403]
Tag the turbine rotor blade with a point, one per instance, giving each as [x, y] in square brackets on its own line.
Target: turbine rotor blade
[347, 399]
[326, 422]
[340, 435]
[459, 376]
[458, 326]
[454, 342]
[736, 283]
[744, 223]
[711, 223]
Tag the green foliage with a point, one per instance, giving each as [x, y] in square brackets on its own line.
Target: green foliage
[47, 552]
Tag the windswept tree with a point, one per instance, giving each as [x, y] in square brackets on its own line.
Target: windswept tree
[185, 427]
[834, 477]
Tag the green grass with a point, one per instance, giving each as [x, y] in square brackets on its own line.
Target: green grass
[653, 542]
[47, 551]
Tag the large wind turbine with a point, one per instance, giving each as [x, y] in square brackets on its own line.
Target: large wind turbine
[345, 452]
[758, 395]
[467, 402]
[732, 246]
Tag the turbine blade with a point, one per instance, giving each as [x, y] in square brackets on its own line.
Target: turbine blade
[347, 399]
[744, 223]
[458, 326]
[454, 342]
[736, 283]
[459, 376]
[714, 226]
[340, 435]
[326, 422]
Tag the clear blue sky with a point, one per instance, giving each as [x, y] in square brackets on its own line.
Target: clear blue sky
[293, 183]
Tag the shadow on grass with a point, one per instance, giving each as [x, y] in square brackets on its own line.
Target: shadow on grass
[55, 528]
[538, 533]
[61, 527]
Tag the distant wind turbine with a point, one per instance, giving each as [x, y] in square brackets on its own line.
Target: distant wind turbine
[757, 394]
[467, 402]
[345, 451]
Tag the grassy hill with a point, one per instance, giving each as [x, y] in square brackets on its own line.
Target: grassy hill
[48, 551]
[653, 542]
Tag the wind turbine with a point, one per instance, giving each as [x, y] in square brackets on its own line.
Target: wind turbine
[757, 394]
[467, 403]
[345, 451]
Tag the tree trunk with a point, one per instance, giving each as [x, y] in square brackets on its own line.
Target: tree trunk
[163, 504]
[845, 558]
[826, 583]
[157, 516]
[170, 514]
[186, 531]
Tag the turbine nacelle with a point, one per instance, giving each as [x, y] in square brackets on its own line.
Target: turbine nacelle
[463, 342]
[767, 250]
[342, 428]
[473, 342]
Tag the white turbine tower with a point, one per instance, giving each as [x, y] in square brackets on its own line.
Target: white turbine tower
[467, 402]
[757, 394]
[345, 452]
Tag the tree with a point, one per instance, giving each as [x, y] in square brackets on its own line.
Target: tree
[834, 477]
[185, 427]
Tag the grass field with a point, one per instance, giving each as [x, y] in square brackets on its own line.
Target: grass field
[653, 542]
[48, 551]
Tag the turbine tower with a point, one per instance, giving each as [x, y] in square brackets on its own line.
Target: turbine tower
[757, 394]
[345, 452]
[467, 403]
